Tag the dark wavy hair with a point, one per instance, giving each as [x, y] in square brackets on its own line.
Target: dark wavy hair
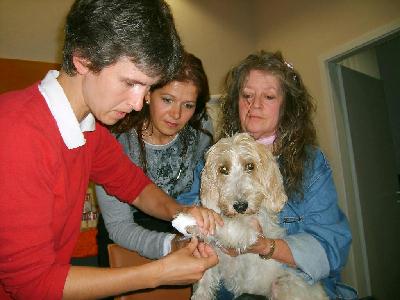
[295, 128]
[103, 31]
[191, 71]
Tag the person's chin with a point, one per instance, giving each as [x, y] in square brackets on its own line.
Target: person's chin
[108, 121]
[170, 133]
[256, 135]
[170, 130]
[250, 131]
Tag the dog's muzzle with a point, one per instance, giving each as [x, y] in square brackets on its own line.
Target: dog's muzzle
[240, 206]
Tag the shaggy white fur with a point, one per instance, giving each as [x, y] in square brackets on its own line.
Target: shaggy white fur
[241, 181]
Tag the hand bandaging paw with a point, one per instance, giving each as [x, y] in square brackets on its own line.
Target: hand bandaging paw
[236, 233]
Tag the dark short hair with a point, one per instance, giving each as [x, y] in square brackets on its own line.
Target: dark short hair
[102, 31]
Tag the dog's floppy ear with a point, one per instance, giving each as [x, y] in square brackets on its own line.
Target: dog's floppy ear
[276, 197]
[208, 191]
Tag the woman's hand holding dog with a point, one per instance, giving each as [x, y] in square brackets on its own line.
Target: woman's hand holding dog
[263, 246]
[186, 265]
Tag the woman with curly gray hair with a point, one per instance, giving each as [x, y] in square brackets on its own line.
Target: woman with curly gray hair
[266, 97]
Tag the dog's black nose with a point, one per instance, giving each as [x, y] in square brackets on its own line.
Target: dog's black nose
[240, 206]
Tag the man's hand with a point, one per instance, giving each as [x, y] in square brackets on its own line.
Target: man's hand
[179, 242]
[206, 219]
[186, 265]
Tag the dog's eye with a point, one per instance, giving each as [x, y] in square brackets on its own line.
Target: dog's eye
[223, 170]
[249, 167]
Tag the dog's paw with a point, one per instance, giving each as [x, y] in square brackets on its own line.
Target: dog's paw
[185, 224]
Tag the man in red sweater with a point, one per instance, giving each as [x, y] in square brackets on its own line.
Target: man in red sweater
[51, 146]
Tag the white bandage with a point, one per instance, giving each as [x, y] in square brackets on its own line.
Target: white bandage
[182, 221]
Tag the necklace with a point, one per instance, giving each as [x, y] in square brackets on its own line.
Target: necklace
[165, 171]
[149, 136]
[165, 158]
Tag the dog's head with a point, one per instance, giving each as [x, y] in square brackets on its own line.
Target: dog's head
[240, 177]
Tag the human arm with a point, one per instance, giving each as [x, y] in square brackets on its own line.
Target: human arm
[123, 230]
[156, 203]
[179, 268]
[120, 217]
[319, 235]
[276, 249]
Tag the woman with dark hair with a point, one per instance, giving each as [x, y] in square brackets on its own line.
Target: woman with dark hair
[265, 96]
[167, 139]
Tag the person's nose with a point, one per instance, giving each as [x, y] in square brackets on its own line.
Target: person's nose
[175, 112]
[257, 102]
[136, 100]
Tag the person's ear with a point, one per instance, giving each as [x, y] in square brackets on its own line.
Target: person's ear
[81, 64]
[147, 97]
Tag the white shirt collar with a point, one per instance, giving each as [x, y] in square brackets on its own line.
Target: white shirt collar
[70, 129]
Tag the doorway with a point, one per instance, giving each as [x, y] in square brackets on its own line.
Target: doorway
[366, 101]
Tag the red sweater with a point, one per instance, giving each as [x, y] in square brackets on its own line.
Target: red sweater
[42, 188]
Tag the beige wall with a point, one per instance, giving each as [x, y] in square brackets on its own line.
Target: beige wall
[221, 32]
[32, 30]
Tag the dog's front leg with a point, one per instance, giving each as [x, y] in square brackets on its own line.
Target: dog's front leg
[236, 233]
[206, 287]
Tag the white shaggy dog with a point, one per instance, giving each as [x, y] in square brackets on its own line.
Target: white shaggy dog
[241, 181]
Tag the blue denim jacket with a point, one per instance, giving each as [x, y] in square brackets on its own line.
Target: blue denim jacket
[318, 233]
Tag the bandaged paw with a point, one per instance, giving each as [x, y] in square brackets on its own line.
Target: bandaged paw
[183, 223]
